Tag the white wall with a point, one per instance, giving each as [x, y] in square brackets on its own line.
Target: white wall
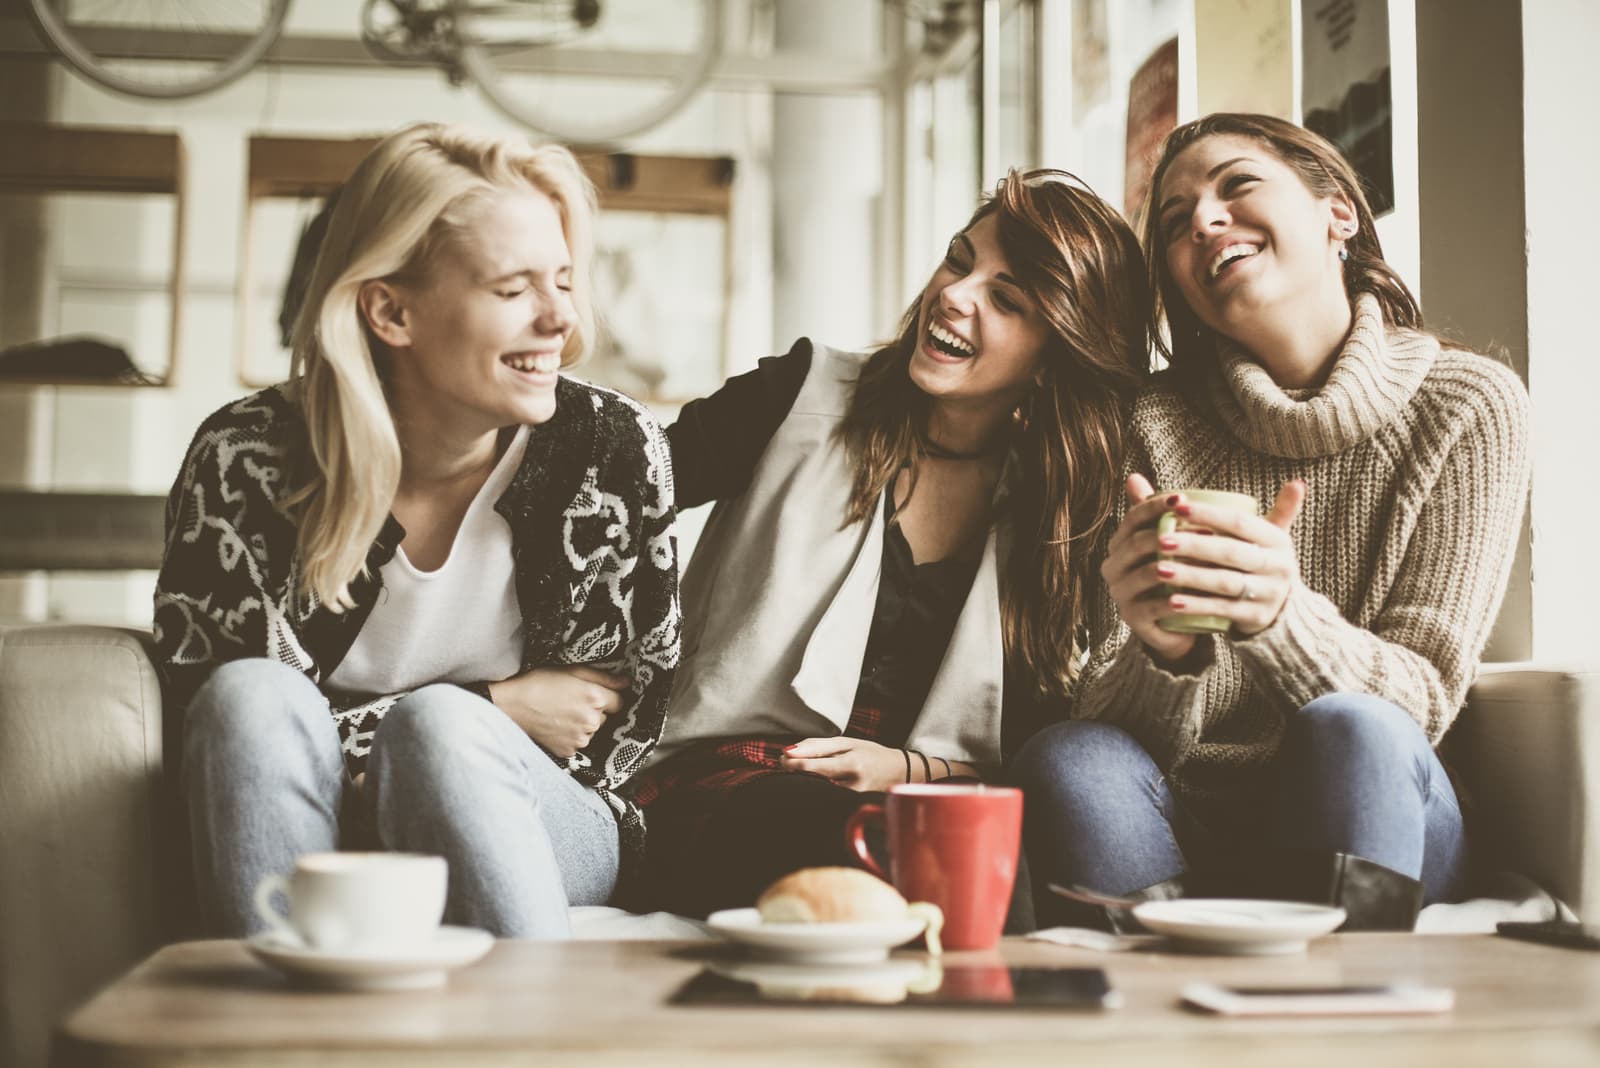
[1561, 84]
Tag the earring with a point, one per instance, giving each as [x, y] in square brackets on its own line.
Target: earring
[1344, 253]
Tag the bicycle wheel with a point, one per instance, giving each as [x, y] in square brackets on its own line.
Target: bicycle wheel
[160, 49]
[512, 49]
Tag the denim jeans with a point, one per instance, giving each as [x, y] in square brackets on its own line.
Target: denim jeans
[449, 774]
[1355, 775]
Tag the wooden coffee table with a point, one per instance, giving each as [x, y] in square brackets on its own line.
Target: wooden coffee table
[595, 1003]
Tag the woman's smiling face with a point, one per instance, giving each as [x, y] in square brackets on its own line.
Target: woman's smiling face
[980, 336]
[489, 322]
[1242, 236]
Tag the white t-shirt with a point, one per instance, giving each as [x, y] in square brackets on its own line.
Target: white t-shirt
[458, 623]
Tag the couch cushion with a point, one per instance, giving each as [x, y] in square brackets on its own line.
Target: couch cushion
[80, 826]
[1528, 747]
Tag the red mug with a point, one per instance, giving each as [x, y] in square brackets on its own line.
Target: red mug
[953, 845]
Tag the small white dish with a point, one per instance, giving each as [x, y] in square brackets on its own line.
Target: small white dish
[1239, 925]
[815, 943]
[415, 968]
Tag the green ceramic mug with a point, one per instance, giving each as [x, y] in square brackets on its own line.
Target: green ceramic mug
[1192, 622]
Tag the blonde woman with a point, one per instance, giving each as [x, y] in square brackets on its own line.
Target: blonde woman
[423, 596]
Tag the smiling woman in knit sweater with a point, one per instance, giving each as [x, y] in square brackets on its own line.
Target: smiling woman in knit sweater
[1392, 471]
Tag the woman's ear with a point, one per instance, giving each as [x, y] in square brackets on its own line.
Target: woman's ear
[383, 308]
[1343, 218]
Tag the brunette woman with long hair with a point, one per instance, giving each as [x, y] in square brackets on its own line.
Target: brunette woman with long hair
[1290, 753]
[893, 584]
[423, 596]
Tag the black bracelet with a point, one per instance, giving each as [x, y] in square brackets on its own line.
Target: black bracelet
[947, 772]
[907, 754]
[927, 769]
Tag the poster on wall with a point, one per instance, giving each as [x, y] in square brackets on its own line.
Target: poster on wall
[1152, 114]
[1346, 88]
[1243, 56]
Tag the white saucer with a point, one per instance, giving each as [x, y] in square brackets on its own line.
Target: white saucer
[815, 943]
[1238, 925]
[416, 968]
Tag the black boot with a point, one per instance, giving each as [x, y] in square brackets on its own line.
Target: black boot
[1374, 898]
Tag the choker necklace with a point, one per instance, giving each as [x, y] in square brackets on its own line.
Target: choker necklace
[939, 452]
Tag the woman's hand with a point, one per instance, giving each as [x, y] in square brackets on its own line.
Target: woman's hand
[1129, 571]
[1244, 575]
[852, 762]
[560, 708]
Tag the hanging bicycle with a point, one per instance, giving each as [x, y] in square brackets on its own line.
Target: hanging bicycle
[520, 54]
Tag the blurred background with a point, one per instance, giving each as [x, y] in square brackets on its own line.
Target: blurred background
[767, 169]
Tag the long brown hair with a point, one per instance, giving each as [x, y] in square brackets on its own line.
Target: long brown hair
[1081, 263]
[1190, 344]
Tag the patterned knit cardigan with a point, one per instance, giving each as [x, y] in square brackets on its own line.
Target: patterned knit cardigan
[591, 515]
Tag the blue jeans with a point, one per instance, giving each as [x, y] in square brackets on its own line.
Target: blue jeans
[1355, 775]
[449, 774]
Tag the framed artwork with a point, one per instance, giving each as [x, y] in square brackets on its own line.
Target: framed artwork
[1152, 114]
[1345, 88]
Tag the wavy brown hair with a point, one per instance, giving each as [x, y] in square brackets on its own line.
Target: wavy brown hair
[1190, 345]
[1080, 262]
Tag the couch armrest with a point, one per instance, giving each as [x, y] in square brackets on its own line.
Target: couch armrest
[83, 832]
[1528, 747]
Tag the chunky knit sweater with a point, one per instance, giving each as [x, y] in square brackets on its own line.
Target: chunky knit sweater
[1416, 466]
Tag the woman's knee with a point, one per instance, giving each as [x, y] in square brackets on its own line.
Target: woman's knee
[1349, 722]
[1080, 757]
[437, 731]
[254, 705]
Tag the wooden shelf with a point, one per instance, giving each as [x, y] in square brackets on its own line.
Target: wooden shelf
[313, 168]
[41, 158]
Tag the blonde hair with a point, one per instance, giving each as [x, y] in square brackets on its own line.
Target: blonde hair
[411, 194]
[1082, 264]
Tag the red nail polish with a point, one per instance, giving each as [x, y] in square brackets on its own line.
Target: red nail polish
[1172, 500]
[1166, 570]
[1167, 543]
[1178, 602]
[787, 748]
[1183, 509]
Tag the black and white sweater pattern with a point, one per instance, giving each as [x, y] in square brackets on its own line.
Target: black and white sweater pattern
[591, 515]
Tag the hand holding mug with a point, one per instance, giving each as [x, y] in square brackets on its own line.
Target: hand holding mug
[1227, 563]
[1129, 572]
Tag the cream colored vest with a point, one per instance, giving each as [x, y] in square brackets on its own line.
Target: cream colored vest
[777, 602]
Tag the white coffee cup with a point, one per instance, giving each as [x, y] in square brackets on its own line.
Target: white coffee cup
[357, 902]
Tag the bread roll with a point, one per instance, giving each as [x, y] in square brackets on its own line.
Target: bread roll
[831, 895]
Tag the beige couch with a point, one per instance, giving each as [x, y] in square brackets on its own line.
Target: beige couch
[92, 878]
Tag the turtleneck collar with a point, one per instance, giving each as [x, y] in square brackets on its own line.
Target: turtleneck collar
[1375, 377]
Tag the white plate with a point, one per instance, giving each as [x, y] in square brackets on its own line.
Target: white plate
[1238, 925]
[418, 968]
[815, 943]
